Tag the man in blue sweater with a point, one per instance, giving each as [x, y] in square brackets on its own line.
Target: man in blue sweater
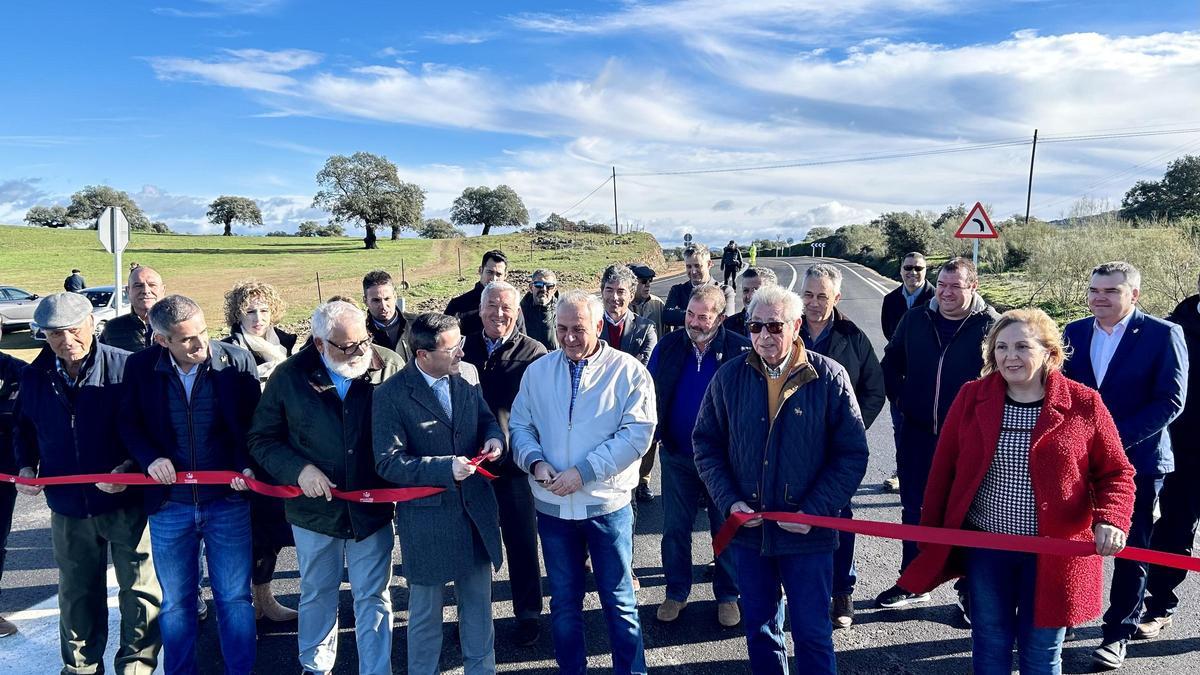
[682, 366]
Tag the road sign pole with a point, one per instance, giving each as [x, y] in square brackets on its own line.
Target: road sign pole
[117, 285]
[975, 253]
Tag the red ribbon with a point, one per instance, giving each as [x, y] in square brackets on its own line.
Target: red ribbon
[381, 495]
[950, 537]
[477, 462]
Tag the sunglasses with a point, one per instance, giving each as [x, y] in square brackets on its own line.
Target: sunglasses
[543, 284]
[773, 327]
[913, 268]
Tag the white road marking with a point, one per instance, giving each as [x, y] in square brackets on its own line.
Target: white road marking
[873, 284]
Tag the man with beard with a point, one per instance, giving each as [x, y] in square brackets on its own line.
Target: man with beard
[752, 279]
[386, 324]
[313, 429]
[682, 366]
[698, 261]
[538, 308]
[132, 331]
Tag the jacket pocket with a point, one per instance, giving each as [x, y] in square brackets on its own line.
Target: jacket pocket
[751, 495]
[791, 495]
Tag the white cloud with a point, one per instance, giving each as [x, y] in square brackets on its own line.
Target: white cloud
[460, 37]
[253, 69]
[211, 9]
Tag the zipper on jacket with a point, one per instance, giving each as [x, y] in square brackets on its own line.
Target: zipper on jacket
[937, 384]
[187, 404]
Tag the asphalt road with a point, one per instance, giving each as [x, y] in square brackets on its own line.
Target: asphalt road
[925, 639]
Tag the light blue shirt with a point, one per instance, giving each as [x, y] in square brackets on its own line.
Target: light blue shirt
[488, 342]
[1104, 346]
[433, 384]
[340, 383]
[910, 298]
[188, 380]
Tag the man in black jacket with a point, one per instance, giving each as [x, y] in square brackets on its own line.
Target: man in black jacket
[752, 279]
[66, 424]
[312, 429]
[501, 355]
[934, 352]
[132, 331]
[75, 282]
[731, 263]
[465, 307]
[10, 381]
[538, 308]
[825, 330]
[682, 365]
[1179, 500]
[697, 259]
[187, 407]
[387, 325]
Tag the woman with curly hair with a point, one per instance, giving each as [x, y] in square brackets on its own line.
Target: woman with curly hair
[251, 310]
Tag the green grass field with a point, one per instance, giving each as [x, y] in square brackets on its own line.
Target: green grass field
[205, 267]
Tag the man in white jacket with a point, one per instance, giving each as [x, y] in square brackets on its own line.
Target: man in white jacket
[580, 424]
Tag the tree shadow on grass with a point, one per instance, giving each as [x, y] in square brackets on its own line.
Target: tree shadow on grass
[290, 250]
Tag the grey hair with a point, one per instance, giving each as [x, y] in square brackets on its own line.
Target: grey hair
[542, 273]
[1132, 276]
[710, 293]
[777, 296]
[329, 314]
[578, 298]
[620, 274]
[171, 311]
[825, 271]
[768, 276]
[497, 287]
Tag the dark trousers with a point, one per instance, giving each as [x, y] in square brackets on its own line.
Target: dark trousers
[8, 499]
[681, 492]
[914, 458]
[1129, 577]
[518, 528]
[731, 273]
[845, 574]
[1174, 532]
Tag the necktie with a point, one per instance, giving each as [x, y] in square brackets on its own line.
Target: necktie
[442, 389]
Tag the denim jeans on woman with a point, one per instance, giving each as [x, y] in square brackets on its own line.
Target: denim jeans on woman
[1002, 589]
[176, 531]
[565, 545]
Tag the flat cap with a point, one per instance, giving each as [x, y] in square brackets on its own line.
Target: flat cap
[641, 272]
[62, 310]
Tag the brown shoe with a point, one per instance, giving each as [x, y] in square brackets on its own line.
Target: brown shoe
[267, 607]
[892, 484]
[728, 614]
[841, 611]
[637, 583]
[7, 627]
[1150, 628]
[669, 610]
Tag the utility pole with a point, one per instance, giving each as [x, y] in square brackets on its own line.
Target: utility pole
[616, 223]
[1029, 193]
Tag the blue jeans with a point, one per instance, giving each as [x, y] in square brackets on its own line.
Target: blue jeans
[805, 578]
[1129, 578]
[609, 541]
[681, 491]
[175, 534]
[1002, 589]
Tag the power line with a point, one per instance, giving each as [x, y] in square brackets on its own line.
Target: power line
[585, 197]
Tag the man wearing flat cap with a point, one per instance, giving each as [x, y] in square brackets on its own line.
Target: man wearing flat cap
[66, 423]
[645, 304]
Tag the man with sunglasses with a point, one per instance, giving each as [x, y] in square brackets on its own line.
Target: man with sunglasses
[915, 291]
[697, 258]
[933, 353]
[432, 428]
[779, 430]
[538, 308]
[645, 304]
[313, 429]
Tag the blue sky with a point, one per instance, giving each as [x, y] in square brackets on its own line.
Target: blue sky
[177, 103]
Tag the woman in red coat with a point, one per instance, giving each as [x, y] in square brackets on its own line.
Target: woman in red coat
[1025, 451]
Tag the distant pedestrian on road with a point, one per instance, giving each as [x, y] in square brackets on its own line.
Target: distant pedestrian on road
[779, 430]
[753, 255]
[67, 423]
[75, 282]
[1139, 364]
[1025, 451]
[935, 351]
[582, 420]
[828, 332]
[753, 278]
[731, 264]
[1179, 501]
[683, 364]
[697, 259]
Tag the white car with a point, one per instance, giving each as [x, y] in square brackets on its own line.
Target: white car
[17, 306]
[103, 310]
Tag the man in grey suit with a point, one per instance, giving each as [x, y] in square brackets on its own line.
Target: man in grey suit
[624, 330]
[428, 423]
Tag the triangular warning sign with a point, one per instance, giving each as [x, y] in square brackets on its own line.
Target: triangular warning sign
[977, 225]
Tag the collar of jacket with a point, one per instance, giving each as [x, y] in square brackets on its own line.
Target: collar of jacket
[802, 371]
[978, 304]
[530, 304]
[318, 375]
[1056, 401]
[92, 368]
[604, 354]
[839, 323]
[218, 357]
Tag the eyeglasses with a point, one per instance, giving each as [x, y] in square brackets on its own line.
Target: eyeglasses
[452, 350]
[914, 268]
[543, 284]
[773, 327]
[353, 347]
